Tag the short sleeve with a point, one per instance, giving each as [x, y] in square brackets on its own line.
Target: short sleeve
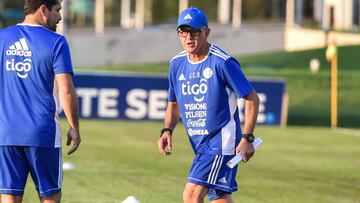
[235, 78]
[61, 57]
[171, 91]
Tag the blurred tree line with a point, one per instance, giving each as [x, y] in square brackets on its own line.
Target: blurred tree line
[80, 13]
[165, 11]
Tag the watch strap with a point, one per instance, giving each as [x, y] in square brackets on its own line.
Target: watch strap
[249, 137]
[164, 130]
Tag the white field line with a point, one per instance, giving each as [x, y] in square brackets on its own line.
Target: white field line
[348, 131]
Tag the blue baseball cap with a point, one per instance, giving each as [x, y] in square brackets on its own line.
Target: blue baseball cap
[192, 17]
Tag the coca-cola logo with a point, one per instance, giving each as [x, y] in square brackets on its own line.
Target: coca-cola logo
[201, 122]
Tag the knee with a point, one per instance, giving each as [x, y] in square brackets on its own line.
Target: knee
[11, 198]
[192, 195]
[55, 198]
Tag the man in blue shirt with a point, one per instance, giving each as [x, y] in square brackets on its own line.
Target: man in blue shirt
[35, 78]
[205, 84]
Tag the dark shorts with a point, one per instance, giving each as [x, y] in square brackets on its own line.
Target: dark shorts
[210, 170]
[43, 164]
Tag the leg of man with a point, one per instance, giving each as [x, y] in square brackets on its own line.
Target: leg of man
[194, 193]
[55, 198]
[210, 175]
[224, 199]
[13, 173]
[11, 198]
[46, 171]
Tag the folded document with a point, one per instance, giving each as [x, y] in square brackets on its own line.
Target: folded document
[238, 157]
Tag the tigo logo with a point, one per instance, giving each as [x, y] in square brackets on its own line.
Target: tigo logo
[198, 90]
[187, 17]
[19, 48]
[21, 68]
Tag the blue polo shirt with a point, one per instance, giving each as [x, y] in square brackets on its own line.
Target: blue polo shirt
[30, 57]
[207, 93]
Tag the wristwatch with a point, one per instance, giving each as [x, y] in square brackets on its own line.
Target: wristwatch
[164, 130]
[249, 137]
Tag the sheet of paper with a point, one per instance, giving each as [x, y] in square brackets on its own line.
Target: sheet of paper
[238, 158]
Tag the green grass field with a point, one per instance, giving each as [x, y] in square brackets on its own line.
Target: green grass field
[295, 164]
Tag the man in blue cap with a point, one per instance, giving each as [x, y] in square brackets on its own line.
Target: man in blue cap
[205, 84]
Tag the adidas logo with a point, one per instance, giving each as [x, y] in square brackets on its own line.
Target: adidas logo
[182, 77]
[187, 17]
[222, 180]
[19, 48]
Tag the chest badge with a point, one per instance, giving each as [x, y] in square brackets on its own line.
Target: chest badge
[207, 73]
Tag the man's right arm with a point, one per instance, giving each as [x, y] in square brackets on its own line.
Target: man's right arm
[172, 117]
[69, 102]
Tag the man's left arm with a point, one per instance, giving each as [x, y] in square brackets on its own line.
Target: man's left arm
[235, 78]
[69, 102]
[251, 112]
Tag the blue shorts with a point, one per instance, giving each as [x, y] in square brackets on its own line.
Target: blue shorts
[44, 165]
[210, 170]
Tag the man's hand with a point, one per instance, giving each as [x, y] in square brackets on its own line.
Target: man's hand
[246, 149]
[73, 135]
[165, 143]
